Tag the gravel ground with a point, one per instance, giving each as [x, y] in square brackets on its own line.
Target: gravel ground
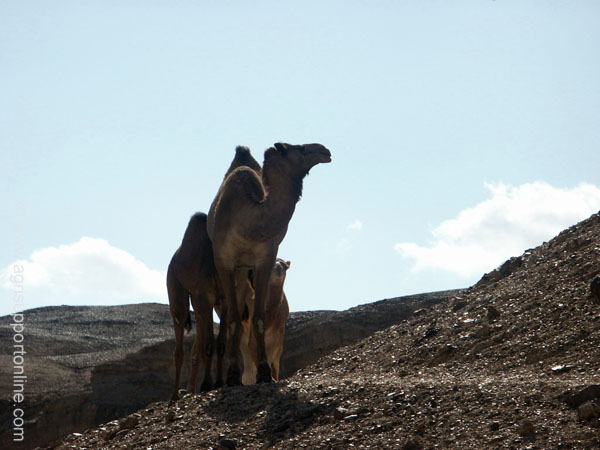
[511, 363]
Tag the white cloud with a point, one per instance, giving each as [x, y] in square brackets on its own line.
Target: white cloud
[87, 272]
[514, 219]
[355, 226]
[346, 242]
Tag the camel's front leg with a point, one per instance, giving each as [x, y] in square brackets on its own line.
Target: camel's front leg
[261, 284]
[249, 375]
[234, 327]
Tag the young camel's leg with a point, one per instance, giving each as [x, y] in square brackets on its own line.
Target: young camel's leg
[204, 343]
[274, 347]
[179, 305]
[261, 283]
[275, 369]
[276, 353]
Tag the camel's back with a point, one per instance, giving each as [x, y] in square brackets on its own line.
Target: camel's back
[194, 257]
[195, 237]
[243, 157]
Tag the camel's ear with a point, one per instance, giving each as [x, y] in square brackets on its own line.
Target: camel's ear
[280, 146]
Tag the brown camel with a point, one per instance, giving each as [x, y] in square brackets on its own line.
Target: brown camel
[247, 221]
[277, 312]
[192, 273]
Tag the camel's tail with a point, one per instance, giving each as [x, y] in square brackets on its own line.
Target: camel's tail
[188, 322]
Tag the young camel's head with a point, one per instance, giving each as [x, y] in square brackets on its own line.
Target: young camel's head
[296, 158]
[279, 270]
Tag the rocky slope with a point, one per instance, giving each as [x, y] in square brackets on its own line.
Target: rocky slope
[513, 362]
[88, 365]
[311, 335]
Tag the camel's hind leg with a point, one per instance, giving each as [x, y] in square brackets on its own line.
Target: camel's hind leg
[204, 344]
[221, 343]
[179, 306]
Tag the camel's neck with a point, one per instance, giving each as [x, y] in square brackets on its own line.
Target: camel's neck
[275, 292]
[273, 301]
[283, 192]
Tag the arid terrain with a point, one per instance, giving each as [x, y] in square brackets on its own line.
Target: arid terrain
[89, 365]
[513, 362]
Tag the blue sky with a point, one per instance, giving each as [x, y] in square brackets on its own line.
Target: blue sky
[462, 133]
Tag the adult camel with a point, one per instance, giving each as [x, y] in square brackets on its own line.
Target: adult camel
[247, 221]
[192, 274]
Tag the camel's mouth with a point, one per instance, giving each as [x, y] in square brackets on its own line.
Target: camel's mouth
[320, 153]
[326, 158]
[278, 271]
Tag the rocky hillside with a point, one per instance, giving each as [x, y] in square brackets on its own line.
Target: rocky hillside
[311, 335]
[513, 362]
[89, 365]
[127, 384]
[63, 346]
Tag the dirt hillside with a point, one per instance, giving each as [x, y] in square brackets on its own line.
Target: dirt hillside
[87, 365]
[513, 362]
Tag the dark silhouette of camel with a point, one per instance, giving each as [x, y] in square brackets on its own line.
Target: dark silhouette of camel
[247, 221]
[192, 275]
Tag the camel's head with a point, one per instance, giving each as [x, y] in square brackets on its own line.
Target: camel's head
[279, 270]
[303, 157]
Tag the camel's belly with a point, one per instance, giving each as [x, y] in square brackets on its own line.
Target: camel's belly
[239, 252]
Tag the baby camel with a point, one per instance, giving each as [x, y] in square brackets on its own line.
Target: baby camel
[277, 312]
[192, 273]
